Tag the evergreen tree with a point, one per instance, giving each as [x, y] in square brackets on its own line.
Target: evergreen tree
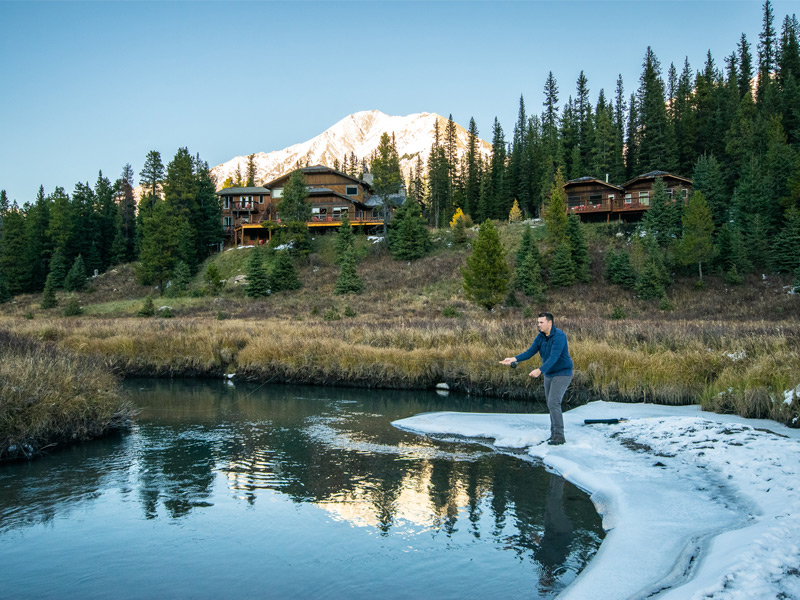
[207, 219]
[181, 277]
[251, 171]
[13, 246]
[708, 180]
[562, 267]
[579, 248]
[152, 174]
[555, 213]
[550, 122]
[49, 299]
[767, 49]
[283, 275]
[38, 246]
[633, 140]
[653, 147]
[603, 152]
[528, 270]
[620, 108]
[733, 255]
[663, 220]
[653, 278]
[745, 66]
[212, 278]
[160, 230]
[345, 240]
[76, 278]
[386, 176]
[292, 206]
[696, 245]
[472, 177]
[786, 247]
[5, 293]
[619, 270]
[486, 273]
[106, 219]
[348, 281]
[58, 268]
[408, 237]
[515, 214]
[126, 218]
[257, 278]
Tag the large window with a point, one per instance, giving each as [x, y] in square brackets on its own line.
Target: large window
[227, 222]
[339, 212]
[351, 190]
[644, 198]
[277, 193]
[628, 198]
[226, 203]
[319, 213]
[596, 199]
[574, 201]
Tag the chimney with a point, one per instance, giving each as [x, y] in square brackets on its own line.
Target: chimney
[606, 177]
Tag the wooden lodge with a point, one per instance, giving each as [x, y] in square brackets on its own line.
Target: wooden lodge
[331, 193]
[596, 200]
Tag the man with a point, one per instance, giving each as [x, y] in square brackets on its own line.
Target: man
[551, 344]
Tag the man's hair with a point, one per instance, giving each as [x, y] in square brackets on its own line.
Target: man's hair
[547, 316]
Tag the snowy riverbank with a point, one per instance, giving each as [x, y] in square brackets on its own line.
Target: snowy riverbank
[696, 505]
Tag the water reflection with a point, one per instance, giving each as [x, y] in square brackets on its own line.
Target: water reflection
[199, 446]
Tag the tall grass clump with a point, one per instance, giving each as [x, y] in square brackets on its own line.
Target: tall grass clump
[50, 397]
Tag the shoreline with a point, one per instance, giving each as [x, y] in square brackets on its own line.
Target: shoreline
[692, 502]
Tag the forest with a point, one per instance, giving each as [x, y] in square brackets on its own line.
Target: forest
[732, 126]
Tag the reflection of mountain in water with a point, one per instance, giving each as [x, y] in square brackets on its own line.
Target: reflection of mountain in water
[335, 449]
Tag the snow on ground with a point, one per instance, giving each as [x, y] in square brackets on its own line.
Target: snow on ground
[695, 504]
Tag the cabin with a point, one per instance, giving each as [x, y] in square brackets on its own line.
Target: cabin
[595, 200]
[331, 194]
[591, 198]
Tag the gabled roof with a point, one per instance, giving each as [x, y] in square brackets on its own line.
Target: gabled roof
[654, 174]
[242, 191]
[316, 169]
[320, 191]
[593, 180]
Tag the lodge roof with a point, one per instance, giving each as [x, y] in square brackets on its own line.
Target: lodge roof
[317, 169]
[242, 191]
[654, 174]
[592, 180]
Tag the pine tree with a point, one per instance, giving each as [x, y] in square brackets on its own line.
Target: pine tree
[58, 268]
[619, 270]
[12, 247]
[472, 184]
[767, 48]
[293, 206]
[76, 278]
[733, 255]
[345, 240]
[708, 180]
[562, 267]
[662, 220]
[283, 275]
[620, 107]
[126, 219]
[555, 213]
[515, 215]
[528, 270]
[579, 248]
[654, 135]
[348, 281]
[181, 277]
[257, 278]
[212, 278]
[386, 176]
[408, 237]
[696, 245]
[5, 293]
[152, 174]
[38, 246]
[158, 253]
[785, 257]
[49, 299]
[745, 66]
[251, 171]
[486, 273]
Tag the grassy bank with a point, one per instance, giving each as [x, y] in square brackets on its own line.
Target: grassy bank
[736, 349]
[49, 397]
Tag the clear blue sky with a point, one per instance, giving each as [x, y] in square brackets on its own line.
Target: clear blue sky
[89, 86]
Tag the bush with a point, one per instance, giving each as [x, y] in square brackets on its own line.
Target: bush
[349, 312]
[73, 309]
[147, 310]
[332, 314]
[165, 312]
[451, 312]
[665, 304]
[618, 313]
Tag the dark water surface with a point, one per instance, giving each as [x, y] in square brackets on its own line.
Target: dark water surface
[225, 491]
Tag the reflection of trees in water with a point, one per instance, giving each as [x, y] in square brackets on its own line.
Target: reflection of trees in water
[370, 474]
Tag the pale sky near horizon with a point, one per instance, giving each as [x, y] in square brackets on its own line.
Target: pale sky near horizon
[90, 86]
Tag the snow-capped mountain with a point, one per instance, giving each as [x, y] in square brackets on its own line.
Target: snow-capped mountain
[357, 134]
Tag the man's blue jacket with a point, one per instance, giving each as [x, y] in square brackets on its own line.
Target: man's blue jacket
[554, 352]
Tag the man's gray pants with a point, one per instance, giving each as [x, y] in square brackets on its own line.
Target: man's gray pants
[554, 390]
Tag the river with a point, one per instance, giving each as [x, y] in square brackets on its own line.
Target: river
[226, 490]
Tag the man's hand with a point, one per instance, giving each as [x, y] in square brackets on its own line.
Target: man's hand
[535, 373]
[508, 361]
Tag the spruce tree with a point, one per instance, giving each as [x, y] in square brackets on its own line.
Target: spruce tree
[619, 270]
[12, 248]
[580, 250]
[733, 255]
[696, 244]
[49, 295]
[486, 273]
[528, 269]
[181, 276]
[58, 268]
[562, 267]
[292, 206]
[75, 280]
[708, 180]
[386, 176]
[555, 213]
[251, 171]
[257, 278]
[345, 239]
[653, 278]
[152, 174]
[408, 237]
[515, 214]
[283, 275]
[785, 257]
[5, 293]
[348, 281]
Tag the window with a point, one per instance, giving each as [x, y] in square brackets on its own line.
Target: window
[574, 201]
[226, 203]
[277, 193]
[339, 211]
[644, 198]
[247, 202]
[628, 198]
[227, 222]
[351, 190]
[319, 213]
[261, 199]
[596, 199]
[685, 193]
